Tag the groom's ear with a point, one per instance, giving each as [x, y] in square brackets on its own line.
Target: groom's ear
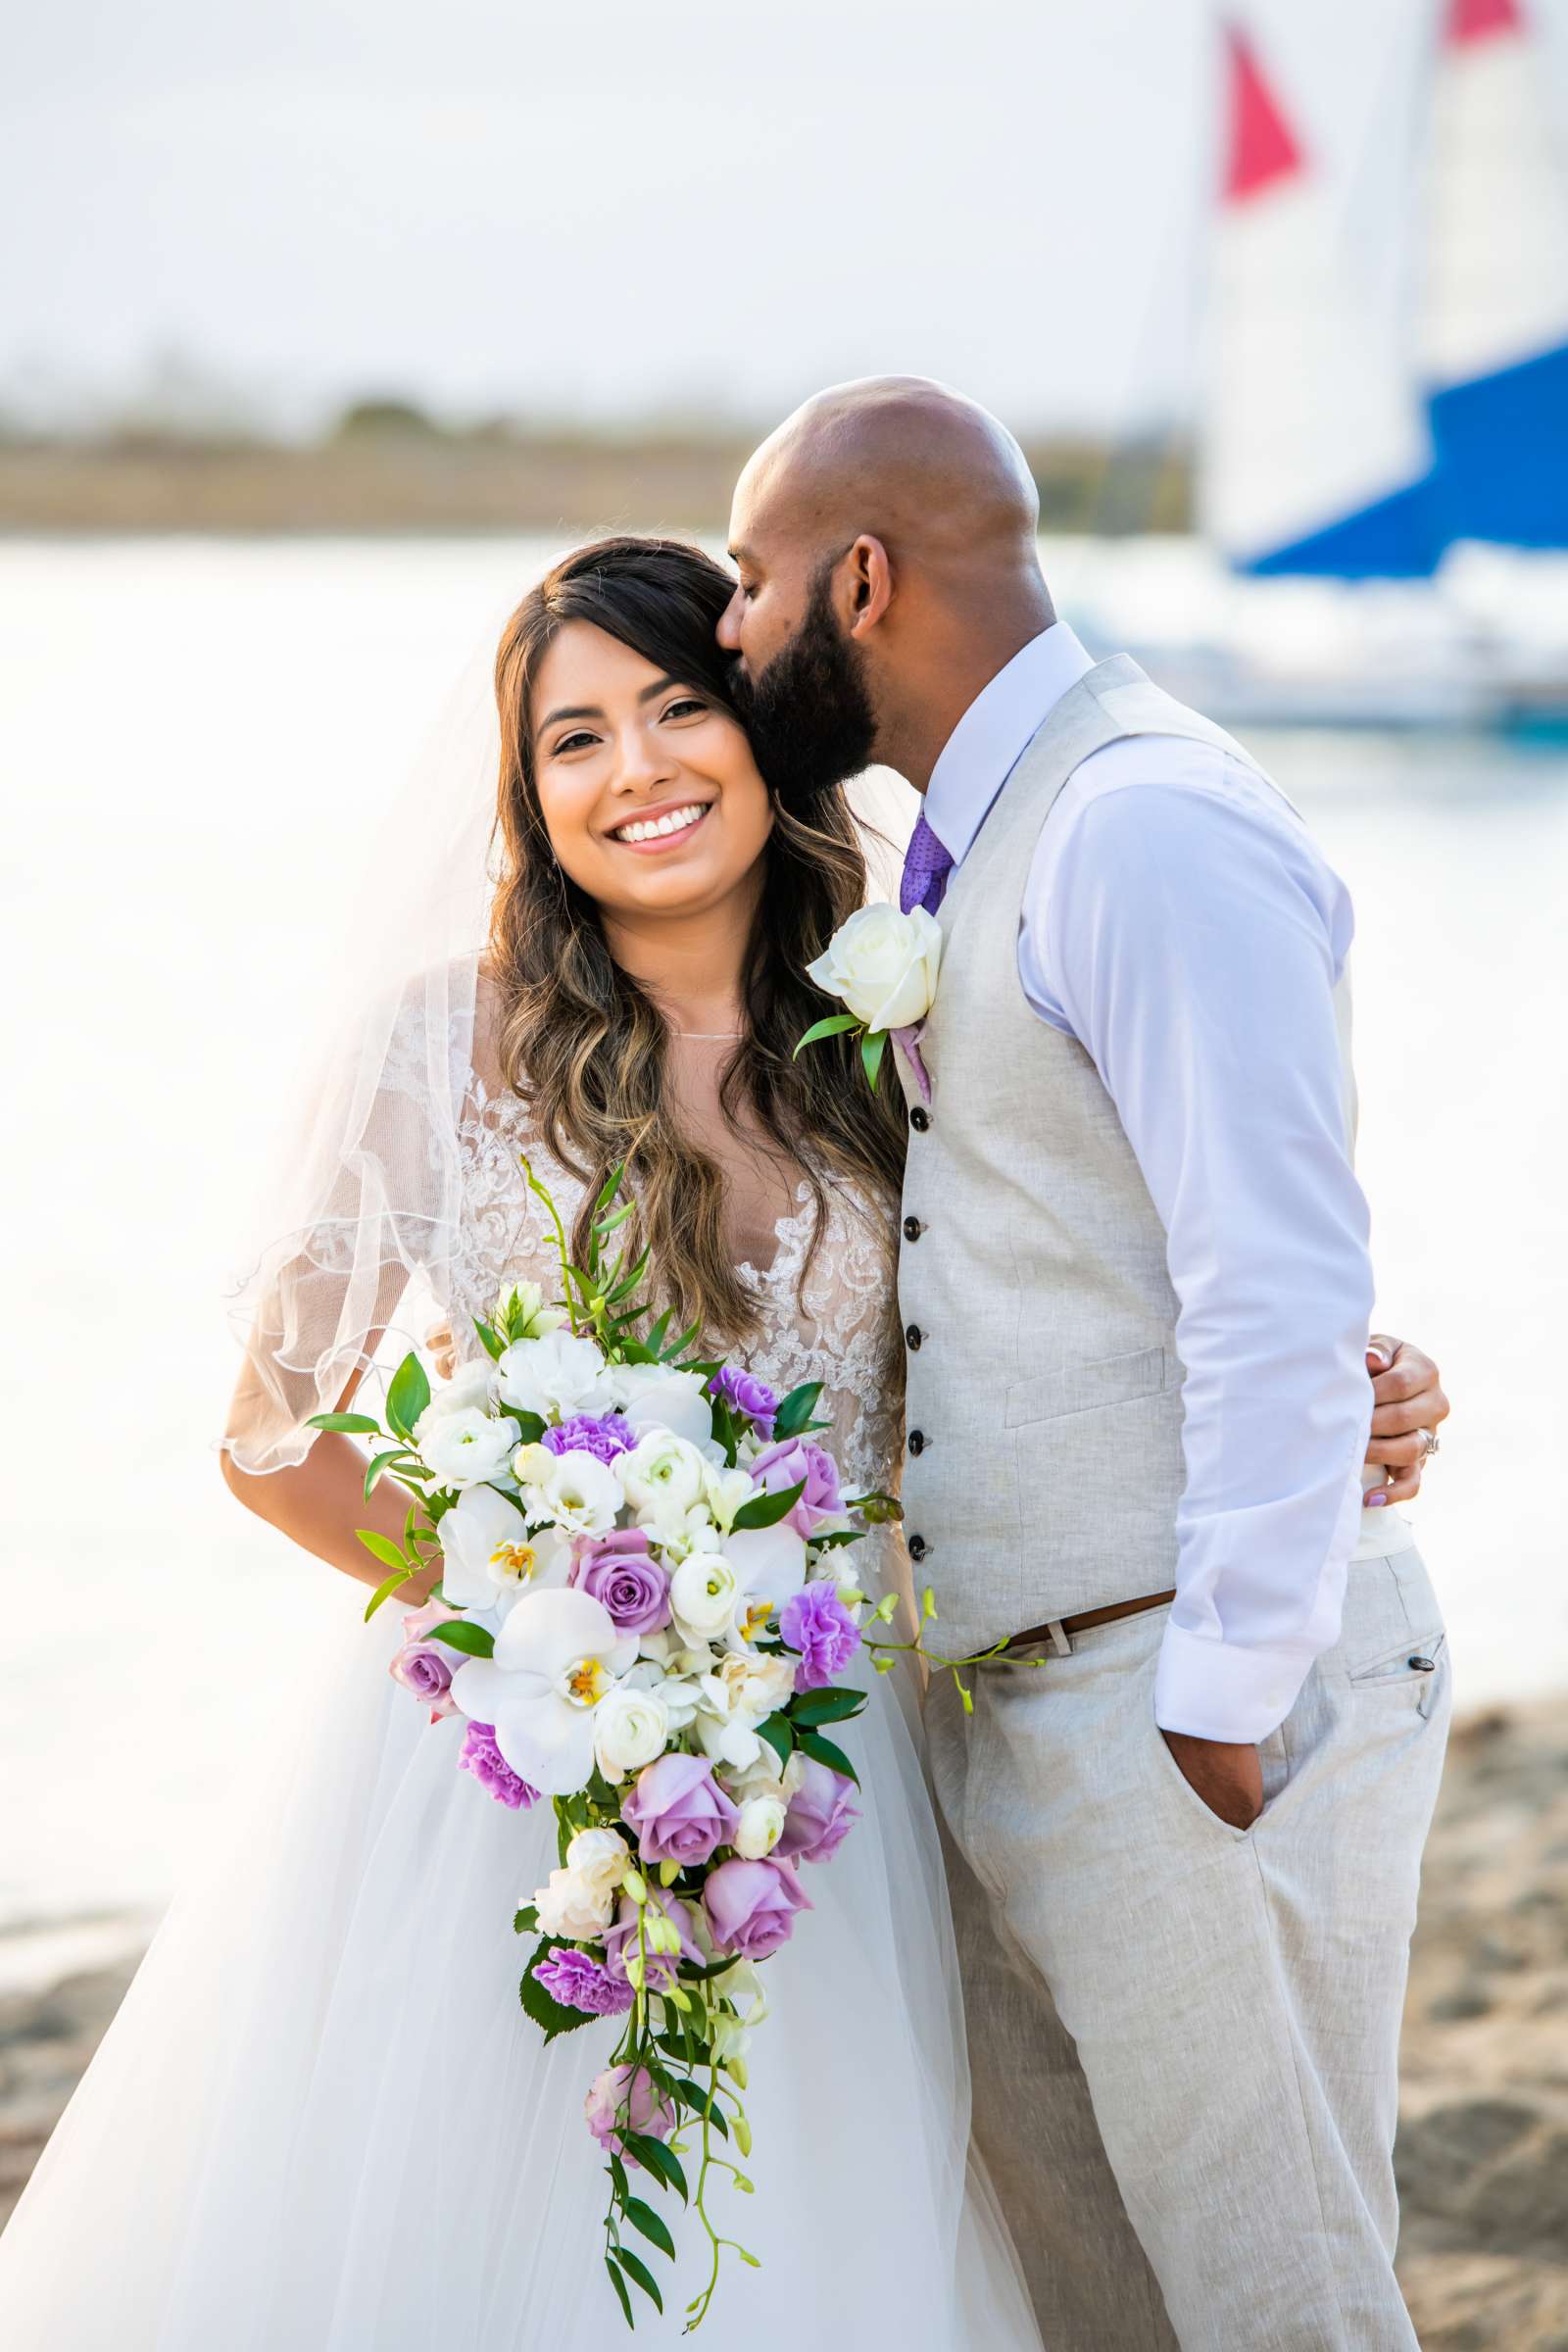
[869, 578]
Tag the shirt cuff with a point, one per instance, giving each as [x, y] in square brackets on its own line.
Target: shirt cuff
[1224, 1690]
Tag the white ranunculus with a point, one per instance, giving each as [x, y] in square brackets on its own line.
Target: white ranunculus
[488, 1556]
[574, 1906]
[600, 1859]
[703, 1593]
[520, 1310]
[464, 1448]
[577, 1492]
[556, 1656]
[662, 1477]
[630, 1728]
[554, 1376]
[883, 965]
[676, 1402]
[759, 1828]
[469, 1385]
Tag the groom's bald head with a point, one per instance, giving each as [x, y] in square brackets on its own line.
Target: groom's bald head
[901, 517]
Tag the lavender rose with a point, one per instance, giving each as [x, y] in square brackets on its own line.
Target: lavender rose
[489, 1767]
[679, 1811]
[751, 1906]
[744, 1393]
[426, 1669]
[579, 1981]
[621, 1572]
[619, 2088]
[790, 1463]
[602, 1435]
[620, 1938]
[820, 1815]
[815, 1622]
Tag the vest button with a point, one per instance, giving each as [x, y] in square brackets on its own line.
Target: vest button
[918, 1440]
[919, 1119]
[912, 1229]
[1421, 1665]
[917, 1547]
[913, 1335]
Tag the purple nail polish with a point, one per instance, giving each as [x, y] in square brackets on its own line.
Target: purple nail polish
[1373, 1503]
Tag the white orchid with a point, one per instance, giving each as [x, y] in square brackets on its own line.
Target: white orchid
[727, 1491]
[770, 1564]
[489, 1559]
[556, 1658]
[736, 1699]
[554, 1376]
[576, 1492]
[676, 1402]
[466, 1447]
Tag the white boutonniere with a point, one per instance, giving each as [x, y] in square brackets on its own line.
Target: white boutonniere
[884, 966]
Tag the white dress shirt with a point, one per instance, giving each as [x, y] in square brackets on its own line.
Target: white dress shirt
[1181, 924]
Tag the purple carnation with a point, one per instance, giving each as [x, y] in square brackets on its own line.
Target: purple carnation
[489, 1767]
[744, 1393]
[815, 1622]
[579, 1981]
[602, 1435]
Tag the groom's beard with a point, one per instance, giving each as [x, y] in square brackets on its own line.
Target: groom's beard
[808, 714]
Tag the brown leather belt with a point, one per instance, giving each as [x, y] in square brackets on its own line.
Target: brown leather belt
[1059, 1629]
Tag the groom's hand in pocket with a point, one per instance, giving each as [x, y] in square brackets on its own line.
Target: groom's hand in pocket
[1227, 1776]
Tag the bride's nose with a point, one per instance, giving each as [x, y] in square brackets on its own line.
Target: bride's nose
[642, 763]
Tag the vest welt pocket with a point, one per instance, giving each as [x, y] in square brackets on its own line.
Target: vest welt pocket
[1395, 1665]
[1050, 1396]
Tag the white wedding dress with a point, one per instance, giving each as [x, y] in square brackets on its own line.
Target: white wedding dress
[322, 2123]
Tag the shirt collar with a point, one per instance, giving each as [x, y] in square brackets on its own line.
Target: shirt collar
[990, 739]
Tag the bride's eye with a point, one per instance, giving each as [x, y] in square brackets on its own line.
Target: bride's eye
[571, 743]
[685, 705]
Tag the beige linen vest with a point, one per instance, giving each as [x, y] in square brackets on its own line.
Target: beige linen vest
[1044, 1413]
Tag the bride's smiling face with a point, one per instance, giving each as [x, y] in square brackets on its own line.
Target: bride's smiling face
[648, 788]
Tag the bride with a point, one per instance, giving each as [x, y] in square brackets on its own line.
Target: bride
[320, 2118]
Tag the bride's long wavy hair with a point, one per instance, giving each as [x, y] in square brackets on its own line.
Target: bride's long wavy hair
[584, 1046]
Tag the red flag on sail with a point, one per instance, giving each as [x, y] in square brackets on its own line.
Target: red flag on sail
[1263, 146]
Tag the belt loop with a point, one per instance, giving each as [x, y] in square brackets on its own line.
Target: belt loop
[1058, 1638]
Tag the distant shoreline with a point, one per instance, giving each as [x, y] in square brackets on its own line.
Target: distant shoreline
[368, 483]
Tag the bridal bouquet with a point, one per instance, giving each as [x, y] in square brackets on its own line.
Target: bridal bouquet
[646, 1599]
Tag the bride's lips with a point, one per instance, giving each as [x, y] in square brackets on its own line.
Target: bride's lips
[654, 843]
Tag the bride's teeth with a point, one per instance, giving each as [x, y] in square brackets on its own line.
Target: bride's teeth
[651, 828]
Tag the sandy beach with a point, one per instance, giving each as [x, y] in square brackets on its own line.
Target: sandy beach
[1483, 2154]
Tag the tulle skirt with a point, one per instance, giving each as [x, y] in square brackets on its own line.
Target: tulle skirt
[321, 2121]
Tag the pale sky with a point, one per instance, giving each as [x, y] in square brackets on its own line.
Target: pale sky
[604, 209]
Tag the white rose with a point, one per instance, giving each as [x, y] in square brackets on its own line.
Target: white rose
[883, 965]
[703, 1593]
[464, 1448]
[468, 1387]
[630, 1728]
[676, 1402]
[574, 1906]
[600, 1859]
[577, 1491]
[554, 1376]
[661, 1476]
[759, 1829]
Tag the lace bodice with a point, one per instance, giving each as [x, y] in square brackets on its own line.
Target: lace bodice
[834, 1330]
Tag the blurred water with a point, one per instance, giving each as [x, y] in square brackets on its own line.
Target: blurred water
[198, 738]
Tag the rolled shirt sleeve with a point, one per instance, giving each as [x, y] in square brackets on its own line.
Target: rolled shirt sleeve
[1188, 934]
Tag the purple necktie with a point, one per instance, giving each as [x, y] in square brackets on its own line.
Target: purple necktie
[926, 867]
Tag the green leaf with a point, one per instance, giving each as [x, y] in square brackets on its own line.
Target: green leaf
[552, 2017]
[490, 1340]
[635, 2267]
[813, 1707]
[796, 1409]
[378, 1464]
[408, 1395]
[834, 1026]
[527, 1919]
[692, 2096]
[475, 1641]
[653, 2157]
[675, 1347]
[812, 1743]
[779, 1733]
[381, 1547]
[619, 2285]
[610, 1186]
[767, 1510]
[531, 1426]
[872, 1050]
[654, 1339]
[617, 2178]
[603, 1227]
[628, 1282]
[642, 2217]
[384, 1592]
[348, 1425]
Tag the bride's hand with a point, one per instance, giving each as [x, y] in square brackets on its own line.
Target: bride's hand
[444, 1350]
[1407, 1401]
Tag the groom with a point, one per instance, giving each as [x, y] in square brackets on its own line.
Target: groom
[1185, 1816]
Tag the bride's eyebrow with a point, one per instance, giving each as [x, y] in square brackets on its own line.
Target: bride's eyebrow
[595, 710]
